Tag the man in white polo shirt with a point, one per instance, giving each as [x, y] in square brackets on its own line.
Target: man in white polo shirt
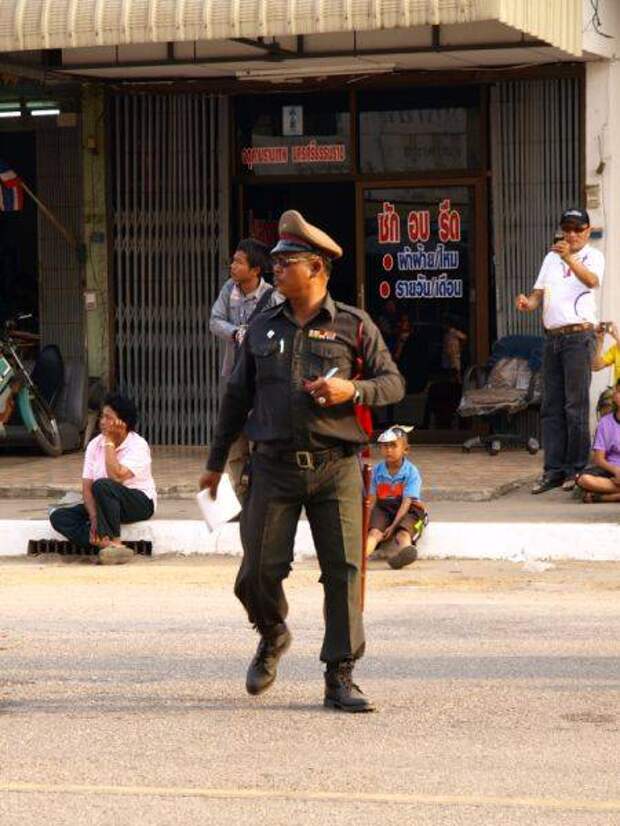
[571, 271]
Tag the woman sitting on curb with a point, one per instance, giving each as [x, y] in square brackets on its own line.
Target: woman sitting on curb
[601, 481]
[117, 485]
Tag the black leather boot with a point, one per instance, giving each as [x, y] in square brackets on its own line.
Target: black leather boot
[341, 692]
[264, 666]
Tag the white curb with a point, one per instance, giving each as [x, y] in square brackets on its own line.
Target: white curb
[516, 541]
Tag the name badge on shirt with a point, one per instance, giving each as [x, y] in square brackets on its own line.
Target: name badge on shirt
[322, 335]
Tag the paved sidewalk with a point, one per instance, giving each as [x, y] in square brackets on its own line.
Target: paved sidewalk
[448, 473]
[517, 506]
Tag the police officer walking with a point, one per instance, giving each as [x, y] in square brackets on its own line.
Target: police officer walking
[293, 390]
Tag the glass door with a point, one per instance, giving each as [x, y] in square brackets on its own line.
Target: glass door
[420, 287]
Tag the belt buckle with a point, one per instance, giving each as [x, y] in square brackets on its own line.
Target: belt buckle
[304, 460]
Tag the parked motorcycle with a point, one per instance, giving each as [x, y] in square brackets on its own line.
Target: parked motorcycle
[18, 390]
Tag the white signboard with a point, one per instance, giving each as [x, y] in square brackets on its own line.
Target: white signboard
[292, 120]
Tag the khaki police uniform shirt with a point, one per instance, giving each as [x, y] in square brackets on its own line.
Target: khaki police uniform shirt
[265, 392]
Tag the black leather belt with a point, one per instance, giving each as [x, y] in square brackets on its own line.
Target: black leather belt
[568, 329]
[306, 459]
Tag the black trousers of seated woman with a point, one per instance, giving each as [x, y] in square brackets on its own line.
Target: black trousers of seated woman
[116, 505]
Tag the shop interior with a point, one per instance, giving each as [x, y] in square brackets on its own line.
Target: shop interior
[411, 163]
[18, 236]
[329, 205]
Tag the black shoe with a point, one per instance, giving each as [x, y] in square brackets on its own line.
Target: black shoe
[341, 692]
[263, 669]
[404, 556]
[546, 482]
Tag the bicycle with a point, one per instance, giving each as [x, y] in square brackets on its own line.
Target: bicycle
[17, 390]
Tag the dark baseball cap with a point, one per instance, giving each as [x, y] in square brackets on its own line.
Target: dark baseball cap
[574, 215]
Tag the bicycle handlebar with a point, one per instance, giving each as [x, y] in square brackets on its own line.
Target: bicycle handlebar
[10, 323]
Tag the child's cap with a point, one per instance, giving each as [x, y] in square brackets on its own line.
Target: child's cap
[392, 434]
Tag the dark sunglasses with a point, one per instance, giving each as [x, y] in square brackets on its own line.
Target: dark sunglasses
[283, 261]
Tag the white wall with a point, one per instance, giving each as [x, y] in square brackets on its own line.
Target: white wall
[609, 15]
[602, 129]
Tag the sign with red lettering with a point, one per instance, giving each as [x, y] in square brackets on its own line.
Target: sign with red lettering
[289, 158]
[419, 288]
[422, 269]
[264, 155]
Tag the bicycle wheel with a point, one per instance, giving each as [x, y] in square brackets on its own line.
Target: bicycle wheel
[47, 433]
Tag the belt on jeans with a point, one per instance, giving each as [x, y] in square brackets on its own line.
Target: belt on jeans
[306, 459]
[567, 329]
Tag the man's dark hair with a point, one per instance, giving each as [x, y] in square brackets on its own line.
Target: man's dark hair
[257, 254]
[327, 265]
[124, 408]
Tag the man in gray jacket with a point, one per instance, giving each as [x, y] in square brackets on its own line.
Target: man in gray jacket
[238, 297]
[230, 314]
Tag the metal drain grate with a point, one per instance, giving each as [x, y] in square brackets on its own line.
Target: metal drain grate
[61, 546]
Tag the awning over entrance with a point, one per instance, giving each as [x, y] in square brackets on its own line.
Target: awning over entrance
[66, 24]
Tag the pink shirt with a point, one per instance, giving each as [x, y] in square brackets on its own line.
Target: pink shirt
[134, 454]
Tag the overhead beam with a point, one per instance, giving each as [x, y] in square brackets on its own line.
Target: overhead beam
[30, 71]
[272, 49]
[395, 80]
[292, 57]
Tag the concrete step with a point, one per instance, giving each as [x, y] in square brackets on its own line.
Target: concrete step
[520, 528]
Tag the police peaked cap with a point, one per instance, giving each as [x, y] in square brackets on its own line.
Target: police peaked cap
[297, 235]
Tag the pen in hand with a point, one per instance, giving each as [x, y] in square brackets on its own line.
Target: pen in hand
[316, 394]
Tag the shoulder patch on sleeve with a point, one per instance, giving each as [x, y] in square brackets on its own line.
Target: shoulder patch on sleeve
[362, 315]
[271, 311]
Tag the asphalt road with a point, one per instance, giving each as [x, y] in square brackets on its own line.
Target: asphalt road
[122, 699]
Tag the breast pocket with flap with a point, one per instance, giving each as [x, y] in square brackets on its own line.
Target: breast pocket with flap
[325, 355]
[271, 363]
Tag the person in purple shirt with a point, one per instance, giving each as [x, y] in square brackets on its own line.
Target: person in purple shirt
[601, 481]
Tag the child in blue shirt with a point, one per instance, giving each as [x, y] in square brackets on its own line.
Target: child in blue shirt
[397, 511]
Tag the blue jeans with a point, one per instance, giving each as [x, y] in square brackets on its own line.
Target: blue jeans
[567, 371]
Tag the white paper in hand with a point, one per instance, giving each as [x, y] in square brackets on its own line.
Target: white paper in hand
[220, 510]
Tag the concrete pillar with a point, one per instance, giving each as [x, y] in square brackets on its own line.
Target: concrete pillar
[603, 182]
[95, 233]
[602, 163]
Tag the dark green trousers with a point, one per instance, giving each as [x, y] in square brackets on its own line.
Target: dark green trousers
[332, 497]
